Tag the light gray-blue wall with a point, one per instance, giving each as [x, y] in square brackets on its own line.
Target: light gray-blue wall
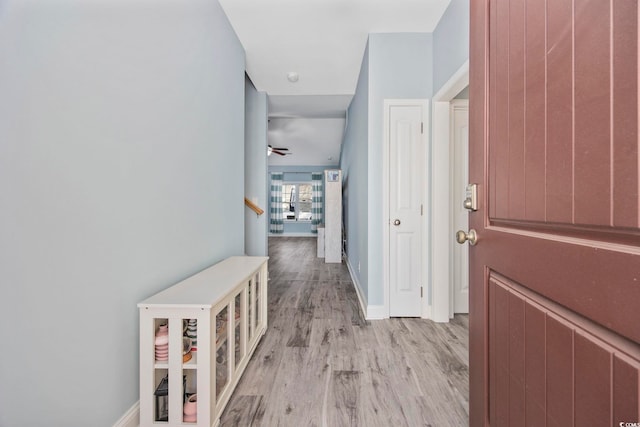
[450, 42]
[121, 173]
[255, 173]
[407, 65]
[400, 67]
[353, 162]
[397, 66]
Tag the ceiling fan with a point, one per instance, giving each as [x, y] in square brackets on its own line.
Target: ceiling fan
[279, 151]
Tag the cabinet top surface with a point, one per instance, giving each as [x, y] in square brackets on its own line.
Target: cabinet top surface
[205, 288]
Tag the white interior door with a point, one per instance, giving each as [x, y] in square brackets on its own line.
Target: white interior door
[405, 139]
[460, 220]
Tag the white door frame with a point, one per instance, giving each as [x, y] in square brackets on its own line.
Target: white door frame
[455, 202]
[442, 239]
[385, 197]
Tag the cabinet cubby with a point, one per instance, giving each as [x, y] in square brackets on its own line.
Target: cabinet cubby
[227, 301]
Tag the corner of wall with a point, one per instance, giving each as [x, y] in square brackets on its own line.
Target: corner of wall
[131, 418]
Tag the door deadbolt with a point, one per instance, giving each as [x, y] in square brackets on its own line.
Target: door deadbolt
[468, 204]
[470, 237]
[471, 201]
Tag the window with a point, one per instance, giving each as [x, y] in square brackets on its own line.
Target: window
[296, 201]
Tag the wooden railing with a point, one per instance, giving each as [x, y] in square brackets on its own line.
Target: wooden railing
[253, 206]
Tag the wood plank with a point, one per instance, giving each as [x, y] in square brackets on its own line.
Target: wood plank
[492, 76]
[626, 401]
[592, 156]
[501, 131]
[516, 110]
[535, 365]
[244, 412]
[501, 369]
[592, 382]
[296, 390]
[492, 383]
[559, 349]
[516, 360]
[300, 327]
[535, 111]
[260, 373]
[344, 405]
[626, 210]
[559, 170]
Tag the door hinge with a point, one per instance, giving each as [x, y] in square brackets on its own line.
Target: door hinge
[421, 127]
[421, 210]
[421, 293]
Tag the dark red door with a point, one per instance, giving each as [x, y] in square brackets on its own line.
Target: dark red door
[555, 274]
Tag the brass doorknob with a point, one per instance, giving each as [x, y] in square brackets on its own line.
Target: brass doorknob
[471, 237]
[396, 222]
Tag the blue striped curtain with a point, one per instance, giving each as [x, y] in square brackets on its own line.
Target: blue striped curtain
[276, 224]
[316, 204]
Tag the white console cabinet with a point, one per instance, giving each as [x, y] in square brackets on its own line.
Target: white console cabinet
[229, 303]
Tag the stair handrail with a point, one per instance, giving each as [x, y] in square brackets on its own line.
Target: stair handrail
[253, 207]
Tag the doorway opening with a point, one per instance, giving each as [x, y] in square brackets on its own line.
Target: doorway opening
[442, 238]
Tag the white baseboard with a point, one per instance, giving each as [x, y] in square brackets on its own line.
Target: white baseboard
[293, 235]
[427, 312]
[131, 418]
[357, 286]
[371, 312]
[376, 312]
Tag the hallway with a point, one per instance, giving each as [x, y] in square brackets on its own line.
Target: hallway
[321, 364]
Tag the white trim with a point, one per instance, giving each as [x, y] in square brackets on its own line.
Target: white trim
[357, 286]
[377, 312]
[131, 418]
[428, 310]
[382, 312]
[426, 218]
[454, 104]
[440, 214]
[293, 235]
[458, 81]
[371, 312]
[440, 196]
[386, 220]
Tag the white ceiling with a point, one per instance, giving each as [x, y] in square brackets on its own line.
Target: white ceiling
[323, 41]
[318, 106]
[313, 142]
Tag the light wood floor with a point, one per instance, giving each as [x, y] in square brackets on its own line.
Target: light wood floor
[321, 364]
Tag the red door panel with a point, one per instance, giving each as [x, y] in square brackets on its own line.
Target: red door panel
[559, 112]
[549, 366]
[555, 274]
[625, 390]
[591, 112]
[559, 379]
[568, 147]
[624, 40]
